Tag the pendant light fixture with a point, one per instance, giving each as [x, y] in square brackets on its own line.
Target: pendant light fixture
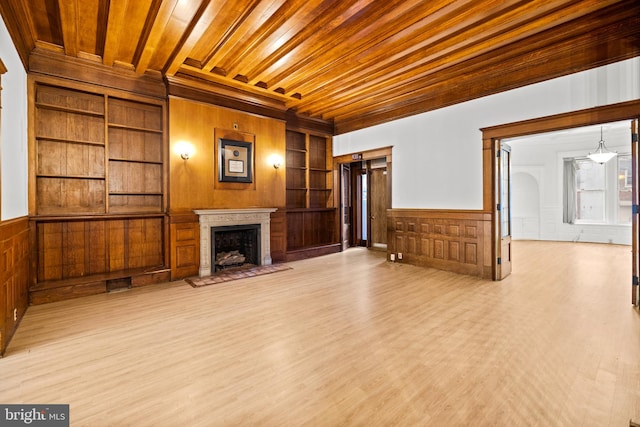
[602, 154]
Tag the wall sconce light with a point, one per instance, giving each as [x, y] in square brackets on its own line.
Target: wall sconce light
[276, 161]
[184, 149]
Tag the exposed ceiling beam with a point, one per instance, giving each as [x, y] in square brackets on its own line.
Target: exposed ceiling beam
[115, 21]
[156, 25]
[203, 18]
[69, 21]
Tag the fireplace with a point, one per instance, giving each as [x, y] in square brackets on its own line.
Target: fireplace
[215, 218]
[234, 246]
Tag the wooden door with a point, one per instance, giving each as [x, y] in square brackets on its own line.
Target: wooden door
[358, 204]
[503, 210]
[378, 208]
[635, 232]
[346, 211]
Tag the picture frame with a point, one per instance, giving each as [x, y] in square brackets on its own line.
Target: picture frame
[235, 161]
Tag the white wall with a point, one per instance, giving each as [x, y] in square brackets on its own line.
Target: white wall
[537, 180]
[525, 203]
[437, 156]
[13, 135]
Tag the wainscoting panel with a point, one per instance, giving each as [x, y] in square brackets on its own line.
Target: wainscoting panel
[457, 241]
[278, 236]
[14, 268]
[80, 256]
[185, 245]
[69, 249]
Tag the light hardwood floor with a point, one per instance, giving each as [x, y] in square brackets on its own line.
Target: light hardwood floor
[347, 339]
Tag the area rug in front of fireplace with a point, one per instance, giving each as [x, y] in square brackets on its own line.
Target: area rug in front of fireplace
[230, 274]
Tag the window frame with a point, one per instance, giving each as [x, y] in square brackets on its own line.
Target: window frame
[611, 193]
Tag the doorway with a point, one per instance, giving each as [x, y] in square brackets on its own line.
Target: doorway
[365, 196]
[594, 199]
[598, 116]
[353, 204]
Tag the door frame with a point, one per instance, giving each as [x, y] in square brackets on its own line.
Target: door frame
[357, 157]
[491, 137]
[346, 194]
[635, 238]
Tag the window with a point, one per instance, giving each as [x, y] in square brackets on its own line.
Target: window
[597, 193]
[590, 190]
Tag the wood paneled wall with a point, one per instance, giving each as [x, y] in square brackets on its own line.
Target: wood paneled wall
[194, 182]
[457, 241]
[14, 268]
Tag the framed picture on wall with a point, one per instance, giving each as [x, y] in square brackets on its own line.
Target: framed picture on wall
[235, 161]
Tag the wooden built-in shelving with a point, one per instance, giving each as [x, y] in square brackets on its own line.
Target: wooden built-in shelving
[310, 214]
[135, 156]
[99, 202]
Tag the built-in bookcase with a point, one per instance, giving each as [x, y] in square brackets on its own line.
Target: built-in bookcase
[98, 211]
[308, 171]
[70, 151]
[97, 153]
[320, 189]
[296, 170]
[310, 214]
[135, 156]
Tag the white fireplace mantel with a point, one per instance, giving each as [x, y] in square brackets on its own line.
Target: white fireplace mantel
[209, 218]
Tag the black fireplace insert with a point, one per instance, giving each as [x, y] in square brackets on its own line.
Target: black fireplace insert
[234, 246]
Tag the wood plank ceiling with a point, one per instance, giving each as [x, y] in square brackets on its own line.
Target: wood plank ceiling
[355, 63]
